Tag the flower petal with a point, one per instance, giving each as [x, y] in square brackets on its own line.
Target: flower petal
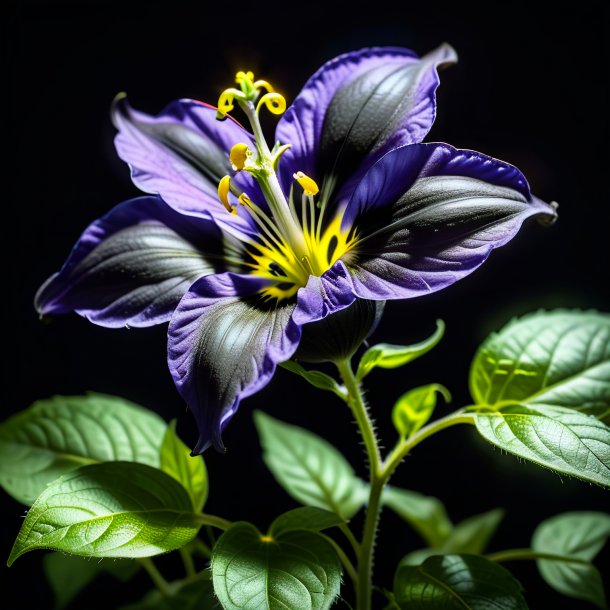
[355, 108]
[224, 344]
[133, 266]
[430, 214]
[181, 154]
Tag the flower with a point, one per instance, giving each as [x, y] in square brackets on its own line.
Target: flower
[349, 204]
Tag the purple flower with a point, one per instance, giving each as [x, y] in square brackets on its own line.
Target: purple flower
[356, 208]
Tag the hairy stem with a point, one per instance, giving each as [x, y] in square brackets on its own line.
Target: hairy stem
[405, 446]
[155, 576]
[365, 425]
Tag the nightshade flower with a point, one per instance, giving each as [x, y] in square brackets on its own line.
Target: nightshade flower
[239, 246]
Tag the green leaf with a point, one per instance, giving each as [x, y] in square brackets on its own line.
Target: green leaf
[561, 439]
[388, 356]
[414, 408]
[311, 470]
[115, 509]
[576, 535]
[192, 595]
[57, 435]
[470, 536]
[190, 471]
[68, 575]
[557, 359]
[318, 379]
[304, 518]
[425, 514]
[297, 569]
[457, 582]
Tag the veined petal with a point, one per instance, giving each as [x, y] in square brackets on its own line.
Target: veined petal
[324, 295]
[181, 154]
[429, 214]
[355, 108]
[133, 266]
[224, 344]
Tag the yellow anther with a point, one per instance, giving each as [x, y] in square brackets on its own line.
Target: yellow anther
[223, 192]
[267, 539]
[308, 185]
[239, 156]
[276, 103]
[263, 84]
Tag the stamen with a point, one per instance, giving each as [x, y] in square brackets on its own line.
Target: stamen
[239, 156]
[224, 187]
[275, 102]
[308, 185]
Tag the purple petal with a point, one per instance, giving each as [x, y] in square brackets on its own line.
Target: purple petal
[224, 344]
[357, 107]
[430, 214]
[324, 295]
[132, 266]
[181, 154]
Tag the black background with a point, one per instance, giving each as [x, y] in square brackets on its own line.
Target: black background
[531, 88]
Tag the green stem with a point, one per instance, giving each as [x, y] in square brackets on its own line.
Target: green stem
[202, 548]
[347, 564]
[405, 446]
[187, 560]
[528, 554]
[213, 520]
[365, 425]
[155, 576]
[347, 532]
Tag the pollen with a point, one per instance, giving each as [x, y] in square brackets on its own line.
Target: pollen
[308, 185]
[267, 539]
[239, 156]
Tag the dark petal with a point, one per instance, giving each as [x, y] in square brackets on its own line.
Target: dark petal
[357, 107]
[133, 266]
[224, 344]
[429, 214]
[181, 154]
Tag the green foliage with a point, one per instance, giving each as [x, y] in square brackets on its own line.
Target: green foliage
[547, 359]
[425, 514]
[471, 536]
[414, 408]
[387, 356]
[559, 438]
[191, 595]
[311, 470]
[190, 471]
[68, 575]
[456, 582]
[57, 435]
[296, 569]
[115, 509]
[304, 518]
[536, 382]
[576, 536]
[318, 379]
